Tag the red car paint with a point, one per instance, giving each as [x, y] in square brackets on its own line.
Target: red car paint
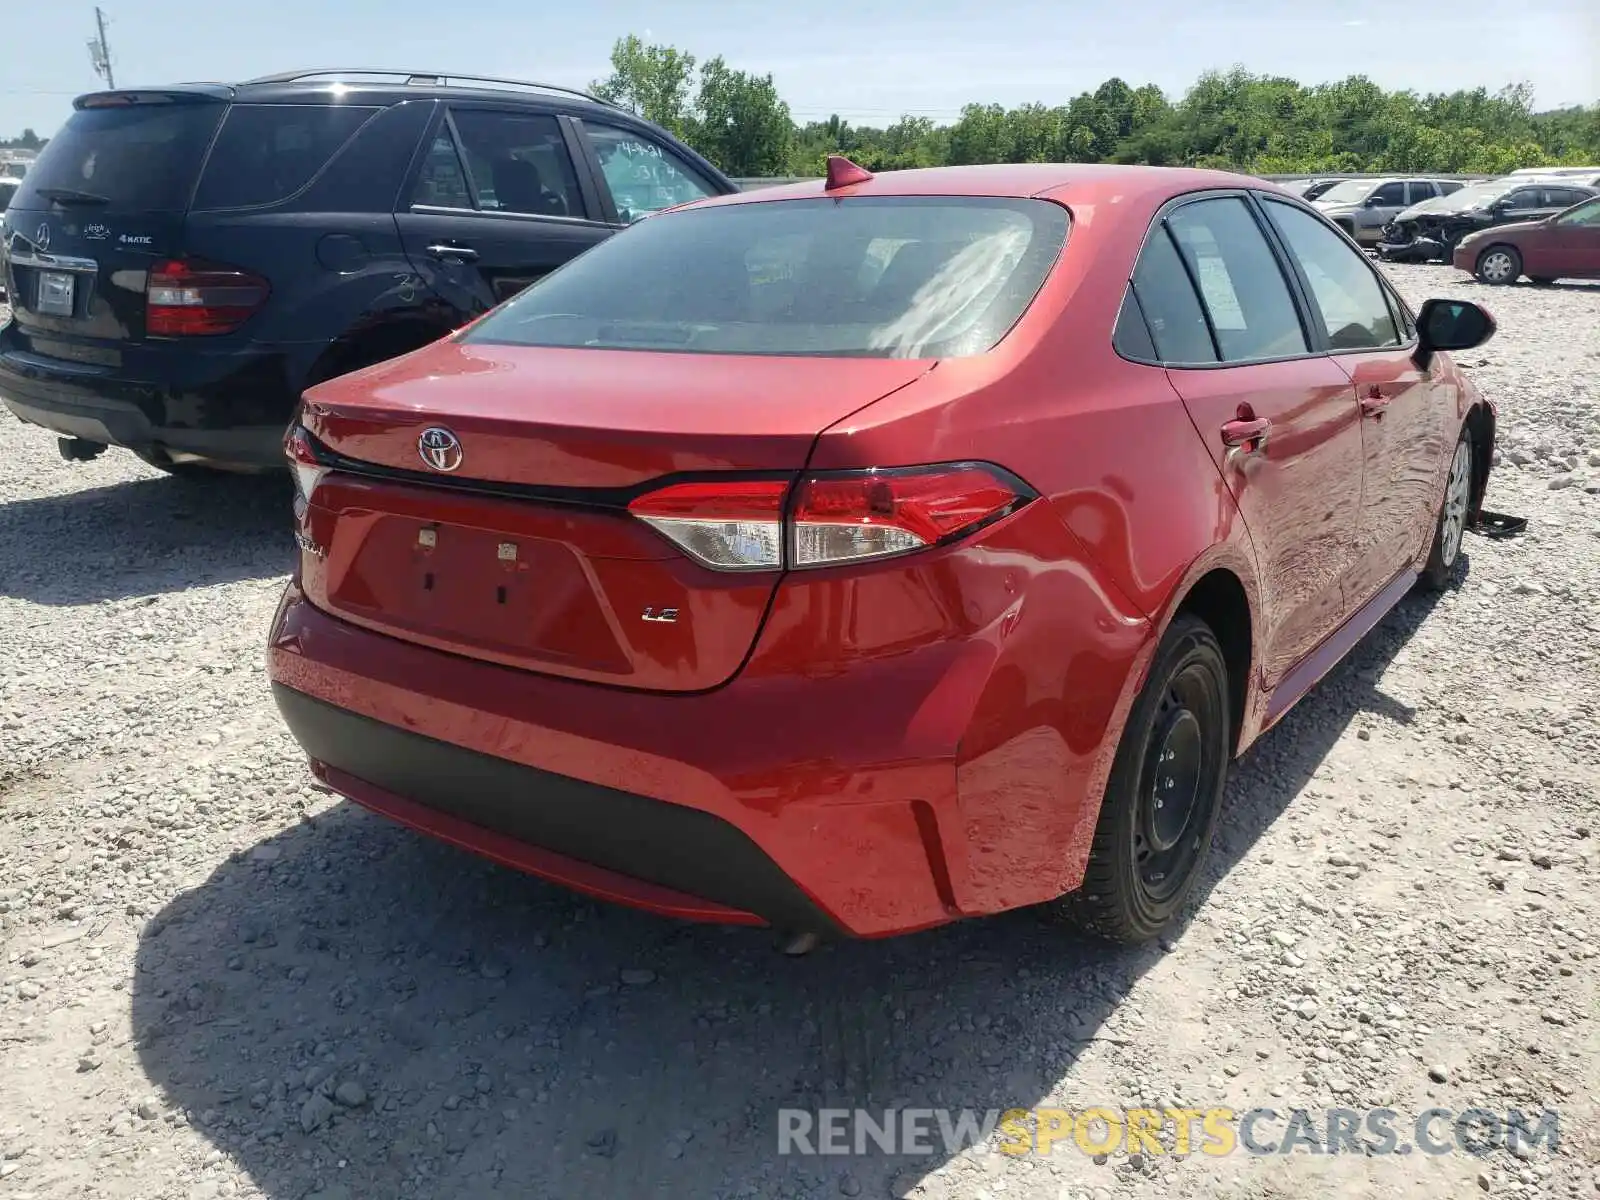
[910, 740]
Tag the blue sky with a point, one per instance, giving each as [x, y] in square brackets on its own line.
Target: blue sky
[869, 60]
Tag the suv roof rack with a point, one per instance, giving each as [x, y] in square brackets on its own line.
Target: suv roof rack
[426, 79]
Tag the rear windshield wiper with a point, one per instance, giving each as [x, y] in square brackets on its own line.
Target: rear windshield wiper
[67, 196]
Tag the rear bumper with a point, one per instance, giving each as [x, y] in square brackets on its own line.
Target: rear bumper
[227, 407]
[889, 793]
[551, 825]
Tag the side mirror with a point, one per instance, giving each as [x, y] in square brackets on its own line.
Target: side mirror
[1451, 325]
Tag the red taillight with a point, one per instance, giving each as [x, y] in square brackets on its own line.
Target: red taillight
[307, 466]
[836, 517]
[190, 299]
[734, 526]
[842, 517]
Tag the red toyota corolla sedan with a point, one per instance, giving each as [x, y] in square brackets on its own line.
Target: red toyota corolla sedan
[858, 556]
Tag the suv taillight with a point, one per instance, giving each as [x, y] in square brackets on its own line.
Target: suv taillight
[195, 299]
[835, 517]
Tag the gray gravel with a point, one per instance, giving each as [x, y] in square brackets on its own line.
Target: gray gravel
[217, 980]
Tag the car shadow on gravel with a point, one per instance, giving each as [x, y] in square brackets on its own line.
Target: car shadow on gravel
[349, 1010]
[146, 537]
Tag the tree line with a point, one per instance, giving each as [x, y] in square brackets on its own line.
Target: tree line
[1235, 120]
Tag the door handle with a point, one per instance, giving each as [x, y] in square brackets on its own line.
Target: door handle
[1373, 404]
[464, 254]
[1242, 432]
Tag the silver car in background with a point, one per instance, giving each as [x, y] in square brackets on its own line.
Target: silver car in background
[1362, 207]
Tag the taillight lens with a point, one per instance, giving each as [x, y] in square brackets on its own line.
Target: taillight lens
[306, 465]
[835, 517]
[192, 299]
[734, 526]
[871, 514]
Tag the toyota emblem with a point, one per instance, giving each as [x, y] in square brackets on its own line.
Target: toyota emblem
[439, 448]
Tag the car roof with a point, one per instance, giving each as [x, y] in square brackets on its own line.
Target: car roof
[1080, 183]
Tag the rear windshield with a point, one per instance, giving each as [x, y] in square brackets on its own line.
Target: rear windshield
[879, 277]
[137, 157]
[268, 152]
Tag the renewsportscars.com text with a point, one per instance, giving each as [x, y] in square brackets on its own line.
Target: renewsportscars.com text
[1213, 1131]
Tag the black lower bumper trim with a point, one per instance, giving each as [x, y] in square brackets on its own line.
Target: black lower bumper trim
[671, 845]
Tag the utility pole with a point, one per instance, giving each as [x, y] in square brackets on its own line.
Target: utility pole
[100, 52]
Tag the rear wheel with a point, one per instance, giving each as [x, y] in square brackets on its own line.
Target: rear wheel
[1499, 265]
[1451, 528]
[1164, 794]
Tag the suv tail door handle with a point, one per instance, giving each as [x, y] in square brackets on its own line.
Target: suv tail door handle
[464, 254]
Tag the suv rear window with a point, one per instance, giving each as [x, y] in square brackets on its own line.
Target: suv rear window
[878, 277]
[268, 152]
[132, 158]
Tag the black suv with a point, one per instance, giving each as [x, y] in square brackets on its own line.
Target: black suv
[184, 261]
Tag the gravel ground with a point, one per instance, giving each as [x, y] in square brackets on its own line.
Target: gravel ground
[216, 980]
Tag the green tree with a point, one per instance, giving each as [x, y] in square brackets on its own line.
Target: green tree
[740, 123]
[652, 81]
[1231, 119]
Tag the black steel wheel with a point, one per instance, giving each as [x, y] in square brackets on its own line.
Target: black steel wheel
[1165, 790]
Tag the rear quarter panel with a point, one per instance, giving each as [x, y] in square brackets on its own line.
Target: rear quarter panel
[1145, 514]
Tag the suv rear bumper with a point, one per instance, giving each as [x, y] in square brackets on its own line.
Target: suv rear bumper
[230, 408]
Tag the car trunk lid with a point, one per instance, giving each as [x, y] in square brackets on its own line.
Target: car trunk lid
[517, 546]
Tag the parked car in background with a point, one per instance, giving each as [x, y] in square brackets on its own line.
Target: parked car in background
[1583, 174]
[184, 261]
[1430, 232]
[1565, 246]
[739, 570]
[1308, 189]
[1362, 207]
[8, 189]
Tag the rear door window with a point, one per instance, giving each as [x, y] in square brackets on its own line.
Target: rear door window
[443, 181]
[128, 158]
[516, 163]
[643, 175]
[1177, 323]
[1240, 281]
[268, 152]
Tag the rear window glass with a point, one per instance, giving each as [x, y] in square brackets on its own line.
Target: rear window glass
[901, 277]
[140, 157]
[268, 152]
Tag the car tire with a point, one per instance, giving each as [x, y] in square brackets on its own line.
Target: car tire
[1450, 528]
[1498, 265]
[1146, 857]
